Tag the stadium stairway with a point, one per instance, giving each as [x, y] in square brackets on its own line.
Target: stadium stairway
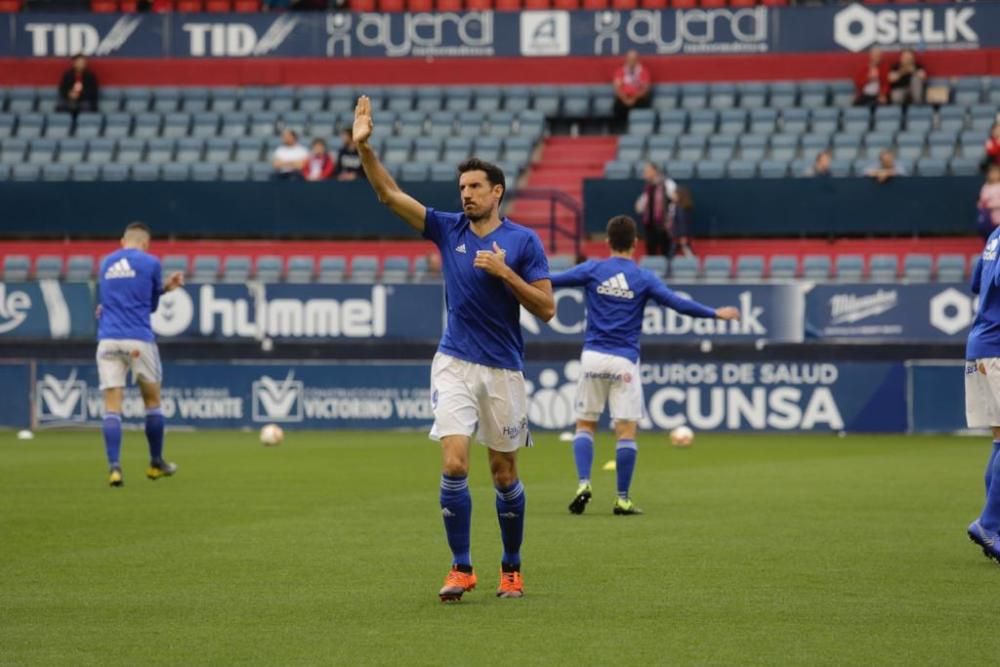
[563, 164]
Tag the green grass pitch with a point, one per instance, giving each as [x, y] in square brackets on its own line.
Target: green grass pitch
[329, 550]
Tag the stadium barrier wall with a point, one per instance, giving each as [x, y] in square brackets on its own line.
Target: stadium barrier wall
[723, 207]
[388, 314]
[709, 396]
[763, 207]
[556, 33]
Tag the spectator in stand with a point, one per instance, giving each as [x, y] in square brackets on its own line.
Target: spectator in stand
[992, 148]
[907, 79]
[289, 158]
[348, 159]
[78, 88]
[989, 202]
[654, 209]
[821, 165]
[633, 87]
[319, 166]
[886, 167]
[682, 228]
[873, 81]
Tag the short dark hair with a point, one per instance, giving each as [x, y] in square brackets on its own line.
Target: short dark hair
[138, 227]
[621, 233]
[494, 174]
[321, 142]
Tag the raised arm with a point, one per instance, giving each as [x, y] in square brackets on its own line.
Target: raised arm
[409, 209]
[667, 297]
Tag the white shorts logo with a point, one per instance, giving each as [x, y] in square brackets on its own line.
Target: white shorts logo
[275, 401]
[61, 400]
[545, 33]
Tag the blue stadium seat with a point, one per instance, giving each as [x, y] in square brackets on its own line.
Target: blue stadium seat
[194, 99]
[846, 146]
[660, 150]
[794, 120]
[964, 166]
[110, 100]
[752, 146]
[281, 100]
[16, 268]
[166, 99]
[516, 98]
[268, 269]
[665, 96]
[117, 125]
[951, 118]
[673, 122]
[341, 98]
[576, 102]
[137, 99]
[456, 149]
[530, 124]
[546, 100]
[856, 120]
[680, 169]
[443, 173]
[825, 120]
[470, 124]
[883, 268]
[147, 126]
[12, 151]
[488, 148]
[763, 121]
[235, 171]
[72, 150]
[88, 125]
[174, 172]
[888, 119]
[917, 267]
[773, 168]
[718, 267]
[234, 124]
[30, 125]
[850, 268]
[932, 166]
[690, 147]
[249, 149]
[617, 170]
[204, 172]
[602, 100]
[741, 169]
[733, 121]
[631, 147]
[21, 100]
[332, 269]
[721, 96]
[190, 150]
[783, 267]
[224, 99]
[364, 269]
[219, 149]
[783, 94]
[48, 267]
[414, 171]
[694, 96]
[753, 94]
[968, 91]
[910, 146]
[919, 119]
[311, 98]
[785, 146]
[458, 98]
[487, 99]
[816, 267]
[174, 263]
[655, 263]
[641, 121]
[518, 150]
[205, 269]
[721, 147]
[85, 172]
[55, 171]
[951, 268]
[396, 269]
[8, 122]
[235, 269]
[301, 269]
[58, 125]
[42, 151]
[703, 121]
[748, 267]
[149, 172]
[501, 123]
[79, 268]
[684, 268]
[814, 94]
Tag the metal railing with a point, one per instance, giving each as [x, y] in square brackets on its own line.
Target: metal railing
[557, 199]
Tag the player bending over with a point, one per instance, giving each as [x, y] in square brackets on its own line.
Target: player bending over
[982, 389]
[616, 294]
[130, 288]
[491, 268]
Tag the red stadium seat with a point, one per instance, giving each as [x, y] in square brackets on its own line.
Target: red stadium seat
[594, 4]
[774, 3]
[566, 4]
[625, 4]
[190, 6]
[479, 5]
[103, 6]
[218, 6]
[246, 6]
[391, 5]
[683, 4]
[712, 4]
[537, 4]
[161, 6]
[128, 6]
[654, 4]
[742, 3]
[508, 5]
[362, 5]
[10, 5]
[450, 5]
[419, 5]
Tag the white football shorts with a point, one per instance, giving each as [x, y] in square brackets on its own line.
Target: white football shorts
[115, 358]
[982, 392]
[471, 398]
[612, 379]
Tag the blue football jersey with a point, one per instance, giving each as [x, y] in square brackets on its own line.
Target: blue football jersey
[616, 294]
[130, 286]
[484, 317]
[984, 338]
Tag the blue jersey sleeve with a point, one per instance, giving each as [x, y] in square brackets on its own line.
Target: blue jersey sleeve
[977, 276]
[533, 265]
[157, 277]
[664, 296]
[435, 225]
[578, 276]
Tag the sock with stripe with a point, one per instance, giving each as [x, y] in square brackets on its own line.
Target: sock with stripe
[625, 453]
[456, 508]
[154, 434]
[990, 518]
[112, 428]
[510, 512]
[583, 454]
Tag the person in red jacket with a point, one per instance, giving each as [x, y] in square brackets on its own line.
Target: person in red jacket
[633, 88]
[873, 81]
[319, 165]
[992, 148]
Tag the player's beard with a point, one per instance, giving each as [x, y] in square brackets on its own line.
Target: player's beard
[476, 214]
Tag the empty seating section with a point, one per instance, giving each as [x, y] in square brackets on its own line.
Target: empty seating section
[776, 129]
[198, 133]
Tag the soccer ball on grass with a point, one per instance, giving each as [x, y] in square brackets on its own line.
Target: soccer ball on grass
[271, 435]
[682, 436]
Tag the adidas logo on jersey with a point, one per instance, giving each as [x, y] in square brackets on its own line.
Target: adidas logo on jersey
[616, 285]
[461, 249]
[120, 269]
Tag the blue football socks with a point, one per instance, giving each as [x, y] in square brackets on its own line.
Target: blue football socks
[154, 434]
[990, 518]
[625, 454]
[583, 454]
[989, 465]
[510, 512]
[456, 508]
[112, 428]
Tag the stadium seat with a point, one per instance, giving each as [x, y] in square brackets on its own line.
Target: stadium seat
[641, 121]
[917, 267]
[773, 168]
[414, 171]
[783, 267]
[741, 169]
[710, 169]
[48, 267]
[617, 170]
[748, 267]
[235, 171]
[24, 172]
[106, 172]
[850, 268]
[932, 166]
[236, 269]
[58, 126]
[655, 263]
[79, 268]
[364, 269]
[331, 269]
[561, 262]
[718, 267]
[883, 268]
[72, 150]
[301, 269]
[268, 269]
[395, 269]
[205, 269]
[146, 172]
[951, 268]
[816, 267]
[684, 268]
[204, 172]
[783, 94]
[16, 268]
[55, 172]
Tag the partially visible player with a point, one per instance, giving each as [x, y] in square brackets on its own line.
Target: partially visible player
[982, 388]
[130, 285]
[491, 268]
[616, 294]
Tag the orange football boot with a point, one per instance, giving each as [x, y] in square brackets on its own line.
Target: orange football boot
[455, 584]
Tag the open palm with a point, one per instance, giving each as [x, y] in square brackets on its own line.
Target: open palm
[362, 120]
